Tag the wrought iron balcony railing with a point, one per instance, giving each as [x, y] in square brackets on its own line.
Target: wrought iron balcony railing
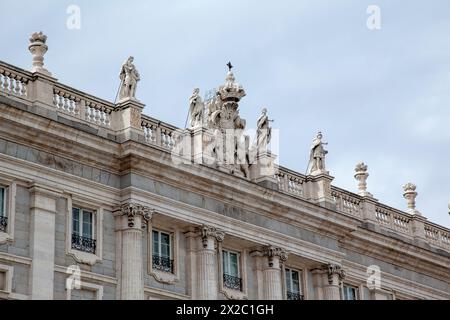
[232, 282]
[162, 263]
[3, 223]
[83, 244]
[294, 296]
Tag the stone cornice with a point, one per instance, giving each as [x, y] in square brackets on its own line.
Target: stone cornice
[70, 184]
[258, 235]
[59, 138]
[408, 256]
[236, 191]
[413, 289]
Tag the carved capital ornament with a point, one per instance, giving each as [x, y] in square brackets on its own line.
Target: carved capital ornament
[208, 232]
[271, 252]
[335, 269]
[131, 210]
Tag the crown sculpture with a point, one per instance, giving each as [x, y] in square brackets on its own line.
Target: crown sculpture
[220, 116]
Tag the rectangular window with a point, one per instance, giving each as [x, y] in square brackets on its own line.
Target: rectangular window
[83, 235]
[293, 285]
[231, 270]
[2, 280]
[162, 251]
[2, 202]
[349, 292]
[3, 215]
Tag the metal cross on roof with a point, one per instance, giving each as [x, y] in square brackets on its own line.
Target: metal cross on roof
[229, 65]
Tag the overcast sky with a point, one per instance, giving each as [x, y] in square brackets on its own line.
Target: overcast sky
[379, 96]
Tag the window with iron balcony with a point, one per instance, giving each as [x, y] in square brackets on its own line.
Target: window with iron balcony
[162, 259]
[83, 226]
[3, 216]
[293, 285]
[231, 270]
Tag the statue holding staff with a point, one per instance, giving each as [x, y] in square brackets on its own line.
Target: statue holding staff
[129, 77]
[317, 155]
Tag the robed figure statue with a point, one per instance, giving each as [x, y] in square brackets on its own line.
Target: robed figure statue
[317, 155]
[196, 107]
[264, 131]
[129, 77]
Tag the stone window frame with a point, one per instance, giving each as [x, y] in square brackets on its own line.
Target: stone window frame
[9, 271]
[90, 204]
[98, 289]
[303, 273]
[158, 275]
[386, 292]
[359, 289]
[230, 293]
[11, 191]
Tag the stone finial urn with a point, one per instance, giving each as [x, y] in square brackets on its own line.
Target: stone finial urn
[410, 195]
[361, 176]
[38, 49]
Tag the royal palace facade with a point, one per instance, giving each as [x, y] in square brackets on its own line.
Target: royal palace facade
[100, 201]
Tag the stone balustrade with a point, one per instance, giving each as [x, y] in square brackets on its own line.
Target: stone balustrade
[14, 81]
[437, 235]
[290, 182]
[82, 106]
[393, 219]
[159, 133]
[346, 201]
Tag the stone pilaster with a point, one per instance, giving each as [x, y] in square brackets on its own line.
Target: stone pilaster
[262, 171]
[42, 245]
[327, 282]
[203, 143]
[273, 289]
[368, 207]
[207, 281]
[127, 120]
[132, 220]
[319, 189]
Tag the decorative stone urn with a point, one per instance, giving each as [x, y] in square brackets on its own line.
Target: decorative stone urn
[410, 195]
[38, 49]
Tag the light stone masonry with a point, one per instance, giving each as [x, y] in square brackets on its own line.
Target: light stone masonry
[158, 205]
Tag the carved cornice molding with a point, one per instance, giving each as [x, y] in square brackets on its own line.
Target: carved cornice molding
[271, 252]
[206, 232]
[131, 210]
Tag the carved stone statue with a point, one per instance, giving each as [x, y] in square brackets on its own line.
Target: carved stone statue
[264, 131]
[129, 77]
[317, 155]
[196, 109]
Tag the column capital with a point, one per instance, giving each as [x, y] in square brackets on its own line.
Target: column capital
[131, 210]
[335, 270]
[274, 252]
[206, 232]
